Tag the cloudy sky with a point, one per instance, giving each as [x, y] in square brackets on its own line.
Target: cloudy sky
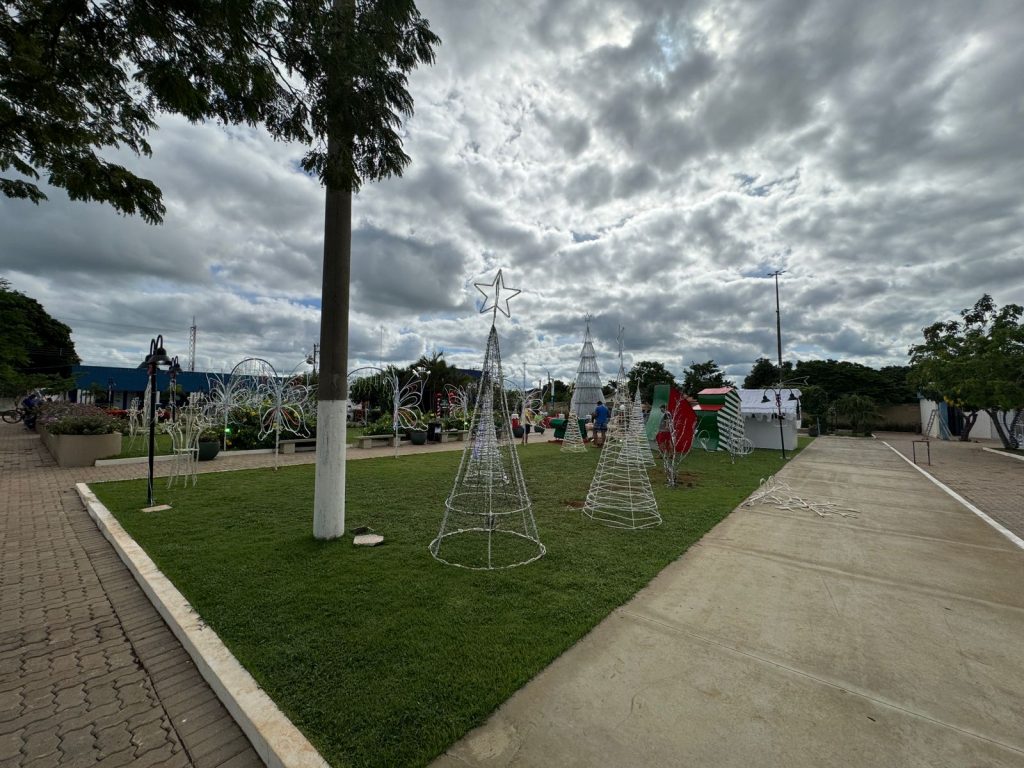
[645, 161]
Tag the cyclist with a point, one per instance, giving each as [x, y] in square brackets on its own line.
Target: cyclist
[31, 406]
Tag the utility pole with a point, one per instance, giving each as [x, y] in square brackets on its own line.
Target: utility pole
[312, 359]
[192, 345]
[778, 316]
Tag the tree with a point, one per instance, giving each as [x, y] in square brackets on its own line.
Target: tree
[814, 402]
[976, 363]
[765, 373]
[859, 410]
[36, 351]
[438, 374]
[646, 375]
[841, 377]
[77, 77]
[702, 376]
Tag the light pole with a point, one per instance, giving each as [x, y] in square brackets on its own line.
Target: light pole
[157, 357]
[778, 389]
[778, 316]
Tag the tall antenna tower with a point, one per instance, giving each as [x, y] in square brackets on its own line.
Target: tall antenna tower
[192, 345]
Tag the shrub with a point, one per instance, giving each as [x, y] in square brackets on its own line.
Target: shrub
[211, 435]
[382, 426]
[77, 419]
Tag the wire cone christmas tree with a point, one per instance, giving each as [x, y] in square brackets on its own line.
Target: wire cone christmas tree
[620, 494]
[586, 391]
[637, 449]
[572, 442]
[488, 520]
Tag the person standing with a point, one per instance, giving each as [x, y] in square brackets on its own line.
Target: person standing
[601, 416]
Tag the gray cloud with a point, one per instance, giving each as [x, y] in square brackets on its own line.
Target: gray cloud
[645, 161]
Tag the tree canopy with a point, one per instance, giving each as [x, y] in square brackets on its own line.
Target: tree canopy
[975, 363]
[700, 376]
[78, 78]
[36, 351]
[765, 373]
[646, 375]
[887, 386]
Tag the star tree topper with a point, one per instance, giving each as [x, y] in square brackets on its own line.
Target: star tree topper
[496, 293]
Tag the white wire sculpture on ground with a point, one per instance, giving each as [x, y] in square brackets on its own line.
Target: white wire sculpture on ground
[731, 429]
[572, 439]
[137, 421]
[488, 520]
[676, 435]
[281, 402]
[637, 448]
[405, 399]
[188, 425]
[620, 493]
[776, 493]
[586, 391]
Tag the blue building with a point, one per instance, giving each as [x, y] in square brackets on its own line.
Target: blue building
[123, 384]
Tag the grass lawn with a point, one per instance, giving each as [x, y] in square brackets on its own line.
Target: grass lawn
[140, 447]
[382, 656]
[163, 444]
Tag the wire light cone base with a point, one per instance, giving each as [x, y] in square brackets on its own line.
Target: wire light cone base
[572, 440]
[620, 494]
[488, 520]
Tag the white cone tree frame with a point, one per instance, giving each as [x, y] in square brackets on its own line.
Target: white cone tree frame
[586, 391]
[572, 439]
[488, 520]
[620, 493]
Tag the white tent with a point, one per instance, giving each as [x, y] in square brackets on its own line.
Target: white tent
[761, 419]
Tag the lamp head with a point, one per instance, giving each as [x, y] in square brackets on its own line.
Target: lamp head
[791, 396]
[764, 398]
[157, 354]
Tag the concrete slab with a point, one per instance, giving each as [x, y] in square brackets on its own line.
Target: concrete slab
[785, 639]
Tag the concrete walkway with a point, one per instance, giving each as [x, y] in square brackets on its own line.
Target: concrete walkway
[89, 673]
[895, 638]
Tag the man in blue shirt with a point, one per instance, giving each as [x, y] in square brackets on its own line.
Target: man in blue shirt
[601, 416]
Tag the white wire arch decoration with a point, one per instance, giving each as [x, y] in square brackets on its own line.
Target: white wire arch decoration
[404, 399]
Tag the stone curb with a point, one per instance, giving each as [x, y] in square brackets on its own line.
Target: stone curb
[165, 457]
[997, 452]
[276, 740]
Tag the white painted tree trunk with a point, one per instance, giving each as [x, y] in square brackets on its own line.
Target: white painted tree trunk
[329, 496]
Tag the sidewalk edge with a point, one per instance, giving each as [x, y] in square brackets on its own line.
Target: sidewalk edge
[275, 738]
[1014, 538]
[997, 452]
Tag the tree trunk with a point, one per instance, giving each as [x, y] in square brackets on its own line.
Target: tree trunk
[969, 419]
[1004, 434]
[329, 496]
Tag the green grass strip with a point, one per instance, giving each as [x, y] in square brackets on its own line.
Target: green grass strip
[382, 656]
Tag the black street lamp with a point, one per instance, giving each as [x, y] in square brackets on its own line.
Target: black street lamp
[172, 394]
[157, 357]
[778, 389]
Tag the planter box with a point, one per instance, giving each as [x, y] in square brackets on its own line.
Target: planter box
[81, 450]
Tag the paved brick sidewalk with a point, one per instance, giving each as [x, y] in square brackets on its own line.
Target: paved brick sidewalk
[994, 484]
[89, 673]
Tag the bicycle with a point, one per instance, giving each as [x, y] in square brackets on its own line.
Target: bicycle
[13, 416]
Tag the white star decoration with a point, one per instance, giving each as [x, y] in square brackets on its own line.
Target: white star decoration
[493, 295]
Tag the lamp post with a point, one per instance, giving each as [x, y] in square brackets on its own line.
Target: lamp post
[778, 315]
[778, 389]
[172, 393]
[157, 357]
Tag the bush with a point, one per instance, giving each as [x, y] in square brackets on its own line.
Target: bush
[211, 435]
[77, 419]
[455, 422]
[382, 426]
